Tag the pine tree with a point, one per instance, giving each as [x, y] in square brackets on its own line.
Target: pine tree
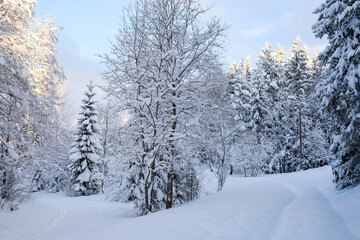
[86, 150]
[339, 90]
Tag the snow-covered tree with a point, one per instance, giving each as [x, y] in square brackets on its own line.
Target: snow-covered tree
[15, 95]
[269, 67]
[266, 82]
[268, 108]
[316, 69]
[297, 72]
[298, 85]
[27, 115]
[245, 100]
[304, 140]
[241, 95]
[53, 135]
[340, 87]
[155, 72]
[280, 55]
[218, 126]
[246, 63]
[85, 154]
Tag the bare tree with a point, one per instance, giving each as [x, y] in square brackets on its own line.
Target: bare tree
[155, 71]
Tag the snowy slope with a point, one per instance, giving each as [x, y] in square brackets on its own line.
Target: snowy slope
[301, 205]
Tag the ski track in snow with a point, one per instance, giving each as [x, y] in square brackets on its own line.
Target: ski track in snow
[57, 220]
[294, 206]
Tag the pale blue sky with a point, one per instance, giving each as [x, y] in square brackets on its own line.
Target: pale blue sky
[88, 25]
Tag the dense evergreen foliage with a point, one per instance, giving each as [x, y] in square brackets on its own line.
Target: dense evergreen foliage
[85, 152]
[269, 106]
[340, 87]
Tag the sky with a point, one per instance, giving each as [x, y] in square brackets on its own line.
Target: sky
[88, 25]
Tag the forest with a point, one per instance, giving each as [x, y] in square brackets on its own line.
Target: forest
[172, 110]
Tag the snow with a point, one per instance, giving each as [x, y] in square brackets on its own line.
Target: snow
[2, 60]
[274, 85]
[302, 205]
[209, 182]
[84, 176]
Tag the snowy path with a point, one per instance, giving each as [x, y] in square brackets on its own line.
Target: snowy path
[289, 206]
[310, 215]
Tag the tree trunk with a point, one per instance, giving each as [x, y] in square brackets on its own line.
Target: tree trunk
[170, 183]
[169, 190]
[146, 198]
[301, 166]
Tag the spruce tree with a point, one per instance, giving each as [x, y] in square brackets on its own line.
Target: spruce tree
[298, 84]
[305, 140]
[280, 55]
[85, 153]
[266, 84]
[316, 69]
[247, 68]
[339, 90]
[297, 71]
[241, 93]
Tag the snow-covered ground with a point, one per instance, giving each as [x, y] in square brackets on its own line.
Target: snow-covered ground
[301, 205]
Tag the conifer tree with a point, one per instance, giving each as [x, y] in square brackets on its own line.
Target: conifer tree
[86, 150]
[241, 95]
[305, 141]
[266, 85]
[256, 100]
[280, 55]
[339, 90]
[297, 71]
[316, 69]
[247, 68]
